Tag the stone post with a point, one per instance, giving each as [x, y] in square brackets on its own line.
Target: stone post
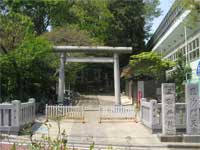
[143, 100]
[6, 117]
[32, 100]
[153, 111]
[192, 108]
[16, 113]
[168, 109]
[117, 79]
[141, 110]
[61, 82]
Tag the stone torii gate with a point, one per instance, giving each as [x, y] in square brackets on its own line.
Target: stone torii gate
[90, 49]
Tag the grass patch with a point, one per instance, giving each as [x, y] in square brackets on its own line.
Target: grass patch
[26, 129]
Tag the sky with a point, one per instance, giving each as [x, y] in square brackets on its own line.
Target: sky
[165, 6]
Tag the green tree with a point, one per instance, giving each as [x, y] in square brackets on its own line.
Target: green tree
[151, 11]
[149, 65]
[131, 19]
[90, 15]
[31, 74]
[127, 25]
[180, 75]
[37, 10]
[70, 35]
[112, 21]
[13, 30]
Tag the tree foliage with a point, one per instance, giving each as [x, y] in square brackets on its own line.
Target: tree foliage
[149, 65]
[14, 29]
[127, 25]
[28, 71]
[37, 10]
[151, 11]
[131, 22]
[67, 35]
[101, 18]
[91, 15]
[180, 75]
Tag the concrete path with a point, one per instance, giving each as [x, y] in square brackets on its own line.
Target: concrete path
[104, 100]
[112, 132]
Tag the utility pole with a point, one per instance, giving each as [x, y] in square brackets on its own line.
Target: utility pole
[186, 50]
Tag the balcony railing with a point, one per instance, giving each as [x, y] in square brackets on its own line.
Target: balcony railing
[167, 22]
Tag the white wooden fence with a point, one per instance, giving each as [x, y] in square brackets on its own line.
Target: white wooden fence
[117, 112]
[151, 115]
[78, 112]
[67, 112]
[16, 114]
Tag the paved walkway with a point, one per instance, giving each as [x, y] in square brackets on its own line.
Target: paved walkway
[113, 132]
[104, 100]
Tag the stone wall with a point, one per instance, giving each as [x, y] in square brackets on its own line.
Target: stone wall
[171, 117]
[151, 115]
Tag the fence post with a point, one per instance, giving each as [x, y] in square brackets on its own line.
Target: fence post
[99, 113]
[141, 110]
[153, 111]
[32, 100]
[16, 113]
[46, 112]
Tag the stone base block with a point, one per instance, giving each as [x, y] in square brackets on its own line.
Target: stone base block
[170, 138]
[191, 138]
[180, 138]
[9, 130]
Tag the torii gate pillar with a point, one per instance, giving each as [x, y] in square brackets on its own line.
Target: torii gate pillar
[61, 81]
[117, 79]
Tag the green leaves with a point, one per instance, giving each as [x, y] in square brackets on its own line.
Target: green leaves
[28, 71]
[70, 35]
[91, 15]
[149, 65]
[180, 75]
[13, 30]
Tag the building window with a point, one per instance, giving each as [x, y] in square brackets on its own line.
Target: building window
[193, 51]
[194, 44]
[197, 42]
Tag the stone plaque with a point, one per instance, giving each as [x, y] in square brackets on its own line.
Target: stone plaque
[192, 105]
[168, 109]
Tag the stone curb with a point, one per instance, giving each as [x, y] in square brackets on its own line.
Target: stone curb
[184, 145]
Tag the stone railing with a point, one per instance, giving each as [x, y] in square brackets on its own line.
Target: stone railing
[151, 115]
[16, 114]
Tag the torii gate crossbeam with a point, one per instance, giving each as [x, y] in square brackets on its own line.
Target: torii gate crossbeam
[90, 49]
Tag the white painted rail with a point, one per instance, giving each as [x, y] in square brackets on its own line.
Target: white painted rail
[67, 112]
[116, 112]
